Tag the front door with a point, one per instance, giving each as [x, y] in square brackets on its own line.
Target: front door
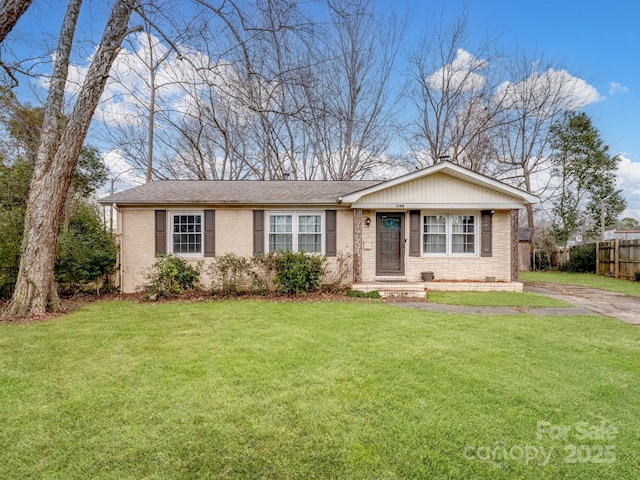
[390, 244]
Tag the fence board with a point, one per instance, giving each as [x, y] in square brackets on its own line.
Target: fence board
[619, 258]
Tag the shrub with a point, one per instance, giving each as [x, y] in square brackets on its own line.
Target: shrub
[86, 251]
[359, 294]
[582, 259]
[337, 270]
[230, 273]
[172, 275]
[298, 272]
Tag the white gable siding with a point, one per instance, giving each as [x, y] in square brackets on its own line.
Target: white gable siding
[437, 190]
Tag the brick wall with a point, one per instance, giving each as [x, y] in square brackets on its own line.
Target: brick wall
[447, 267]
[233, 234]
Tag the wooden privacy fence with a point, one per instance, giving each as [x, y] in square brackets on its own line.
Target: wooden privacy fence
[618, 258]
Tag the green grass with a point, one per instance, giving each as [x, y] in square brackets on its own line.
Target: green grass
[585, 279]
[256, 389]
[495, 299]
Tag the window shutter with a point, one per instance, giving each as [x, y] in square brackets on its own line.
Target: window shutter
[486, 233]
[161, 232]
[414, 233]
[209, 233]
[330, 230]
[258, 233]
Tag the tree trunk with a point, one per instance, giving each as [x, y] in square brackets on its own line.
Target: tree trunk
[35, 291]
[10, 13]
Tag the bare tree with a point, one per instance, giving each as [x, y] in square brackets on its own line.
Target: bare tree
[352, 106]
[57, 158]
[454, 93]
[138, 78]
[537, 96]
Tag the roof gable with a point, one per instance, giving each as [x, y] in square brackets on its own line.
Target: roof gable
[443, 184]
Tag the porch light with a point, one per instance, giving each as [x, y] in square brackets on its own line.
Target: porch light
[367, 221]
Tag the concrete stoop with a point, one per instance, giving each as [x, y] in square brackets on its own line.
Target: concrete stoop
[420, 289]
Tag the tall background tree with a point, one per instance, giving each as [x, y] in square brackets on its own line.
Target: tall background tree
[453, 90]
[586, 173]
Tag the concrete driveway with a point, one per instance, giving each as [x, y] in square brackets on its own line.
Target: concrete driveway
[600, 302]
[585, 301]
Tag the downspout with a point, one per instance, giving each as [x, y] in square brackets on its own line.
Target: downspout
[114, 208]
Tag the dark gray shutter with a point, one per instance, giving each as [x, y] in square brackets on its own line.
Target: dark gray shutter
[258, 233]
[209, 233]
[414, 233]
[330, 231]
[485, 233]
[161, 232]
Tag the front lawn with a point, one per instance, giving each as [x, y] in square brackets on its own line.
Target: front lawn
[257, 389]
[584, 279]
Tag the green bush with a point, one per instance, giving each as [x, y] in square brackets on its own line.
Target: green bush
[230, 273]
[582, 259]
[172, 275]
[359, 294]
[298, 272]
[86, 251]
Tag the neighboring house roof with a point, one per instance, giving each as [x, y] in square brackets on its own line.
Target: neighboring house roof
[237, 192]
[622, 234]
[450, 169]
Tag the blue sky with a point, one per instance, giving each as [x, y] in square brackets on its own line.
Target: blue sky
[594, 40]
[597, 41]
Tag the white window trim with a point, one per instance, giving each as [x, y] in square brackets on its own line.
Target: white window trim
[171, 214]
[449, 233]
[294, 228]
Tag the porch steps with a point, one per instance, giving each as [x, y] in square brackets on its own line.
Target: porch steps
[393, 289]
[420, 289]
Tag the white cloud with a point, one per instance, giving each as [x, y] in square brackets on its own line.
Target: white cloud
[551, 90]
[615, 87]
[123, 175]
[461, 73]
[629, 181]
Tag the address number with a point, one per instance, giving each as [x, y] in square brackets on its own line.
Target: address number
[399, 205]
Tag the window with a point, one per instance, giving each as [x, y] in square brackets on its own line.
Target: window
[309, 233]
[435, 234]
[280, 233]
[186, 233]
[449, 234]
[463, 234]
[296, 232]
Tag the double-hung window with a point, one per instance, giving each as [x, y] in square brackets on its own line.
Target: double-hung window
[295, 232]
[449, 234]
[186, 233]
[463, 234]
[435, 234]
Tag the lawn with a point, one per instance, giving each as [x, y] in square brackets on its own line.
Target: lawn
[585, 279]
[257, 389]
[495, 299]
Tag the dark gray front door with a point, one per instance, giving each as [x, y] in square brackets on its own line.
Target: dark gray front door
[390, 244]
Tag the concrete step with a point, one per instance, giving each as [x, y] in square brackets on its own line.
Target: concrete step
[398, 289]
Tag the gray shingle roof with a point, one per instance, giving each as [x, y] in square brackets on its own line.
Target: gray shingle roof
[237, 192]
